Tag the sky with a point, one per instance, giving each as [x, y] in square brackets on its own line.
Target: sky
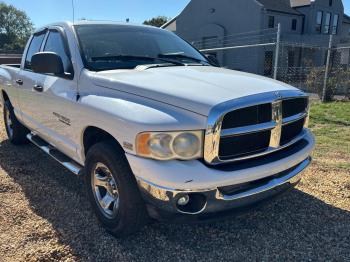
[47, 11]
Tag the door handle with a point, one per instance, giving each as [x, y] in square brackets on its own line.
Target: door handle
[19, 82]
[38, 88]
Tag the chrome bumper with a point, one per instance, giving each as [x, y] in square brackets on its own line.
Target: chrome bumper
[214, 200]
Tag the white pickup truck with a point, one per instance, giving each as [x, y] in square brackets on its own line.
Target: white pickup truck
[156, 129]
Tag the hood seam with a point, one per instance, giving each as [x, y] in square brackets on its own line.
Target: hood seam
[115, 89]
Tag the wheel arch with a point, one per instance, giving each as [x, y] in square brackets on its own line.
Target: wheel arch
[4, 97]
[93, 135]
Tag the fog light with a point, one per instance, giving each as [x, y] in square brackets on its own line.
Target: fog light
[183, 201]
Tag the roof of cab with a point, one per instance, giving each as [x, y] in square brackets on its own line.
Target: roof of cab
[92, 22]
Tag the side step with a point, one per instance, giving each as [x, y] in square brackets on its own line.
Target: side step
[67, 162]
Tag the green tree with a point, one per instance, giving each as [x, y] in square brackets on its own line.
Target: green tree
[15, 27]
[157, 21]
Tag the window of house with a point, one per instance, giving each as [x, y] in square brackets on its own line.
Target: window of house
[34, 48]
[294, 24]
[55, 43]
[271, 22]
[327, 23]
[319, 19]
[335, 24]
[268, 63]
[330, 2]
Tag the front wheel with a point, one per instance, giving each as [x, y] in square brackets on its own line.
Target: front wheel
[112, 190]
[16, 132]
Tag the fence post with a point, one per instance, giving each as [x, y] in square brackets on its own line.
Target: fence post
[277, 54]
[325, 83]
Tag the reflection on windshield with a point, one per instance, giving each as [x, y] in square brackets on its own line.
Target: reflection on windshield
[106, 47]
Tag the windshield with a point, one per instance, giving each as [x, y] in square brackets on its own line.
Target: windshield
[107, 47]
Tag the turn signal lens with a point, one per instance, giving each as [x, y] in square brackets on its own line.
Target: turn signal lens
[142, 144]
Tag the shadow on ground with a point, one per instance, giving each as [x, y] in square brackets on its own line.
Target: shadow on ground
[295, 226]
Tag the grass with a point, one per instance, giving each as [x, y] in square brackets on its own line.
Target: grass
[330, 123]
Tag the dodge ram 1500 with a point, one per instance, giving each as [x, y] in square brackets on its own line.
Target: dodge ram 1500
[155, 127]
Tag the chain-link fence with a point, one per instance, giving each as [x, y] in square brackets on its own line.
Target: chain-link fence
[310, 67]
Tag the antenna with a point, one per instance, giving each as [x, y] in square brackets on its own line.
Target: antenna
[73, 11]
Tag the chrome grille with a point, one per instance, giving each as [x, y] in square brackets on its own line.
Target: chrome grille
[254, 126]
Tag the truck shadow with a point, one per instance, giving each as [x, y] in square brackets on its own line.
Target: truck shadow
[295, 224]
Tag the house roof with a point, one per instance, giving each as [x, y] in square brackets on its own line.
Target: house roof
[169, 22]
[346, 19]
[283, 6]
[299, 3]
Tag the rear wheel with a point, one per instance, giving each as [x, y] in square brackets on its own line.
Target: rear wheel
[16, 132]
[112, 190]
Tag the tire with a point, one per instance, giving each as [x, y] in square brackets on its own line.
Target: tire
[16, 132]
[129, 214]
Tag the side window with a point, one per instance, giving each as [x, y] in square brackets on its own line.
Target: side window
[271, 22]
[34, 48]
[327, 23]
[335, 24]
[294, 24]
[54, 43]
[319, 19]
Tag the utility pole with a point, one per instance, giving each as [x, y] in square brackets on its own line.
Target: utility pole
[325, 83]
[277, 52]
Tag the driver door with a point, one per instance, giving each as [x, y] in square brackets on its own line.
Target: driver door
[56, 99]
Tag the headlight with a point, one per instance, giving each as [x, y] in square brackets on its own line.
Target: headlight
[170, 145]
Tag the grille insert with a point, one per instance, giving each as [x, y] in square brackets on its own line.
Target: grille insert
[248, 116]
[291, 107]
[242, 145]
[290, 131]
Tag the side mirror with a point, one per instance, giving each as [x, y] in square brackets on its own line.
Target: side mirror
[213, 60]
[47, 63]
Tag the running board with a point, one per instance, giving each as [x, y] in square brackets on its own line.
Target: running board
[64, 160]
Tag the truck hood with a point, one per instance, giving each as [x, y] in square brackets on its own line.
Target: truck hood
[194, 88]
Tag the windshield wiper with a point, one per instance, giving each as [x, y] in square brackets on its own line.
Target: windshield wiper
[135, 58]
[182, 56]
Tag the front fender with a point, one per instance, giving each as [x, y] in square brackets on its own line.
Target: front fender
[124, 115]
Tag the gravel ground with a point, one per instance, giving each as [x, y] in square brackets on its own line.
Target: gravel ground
[44, 216]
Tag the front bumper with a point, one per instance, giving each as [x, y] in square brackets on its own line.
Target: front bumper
[219, 189]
